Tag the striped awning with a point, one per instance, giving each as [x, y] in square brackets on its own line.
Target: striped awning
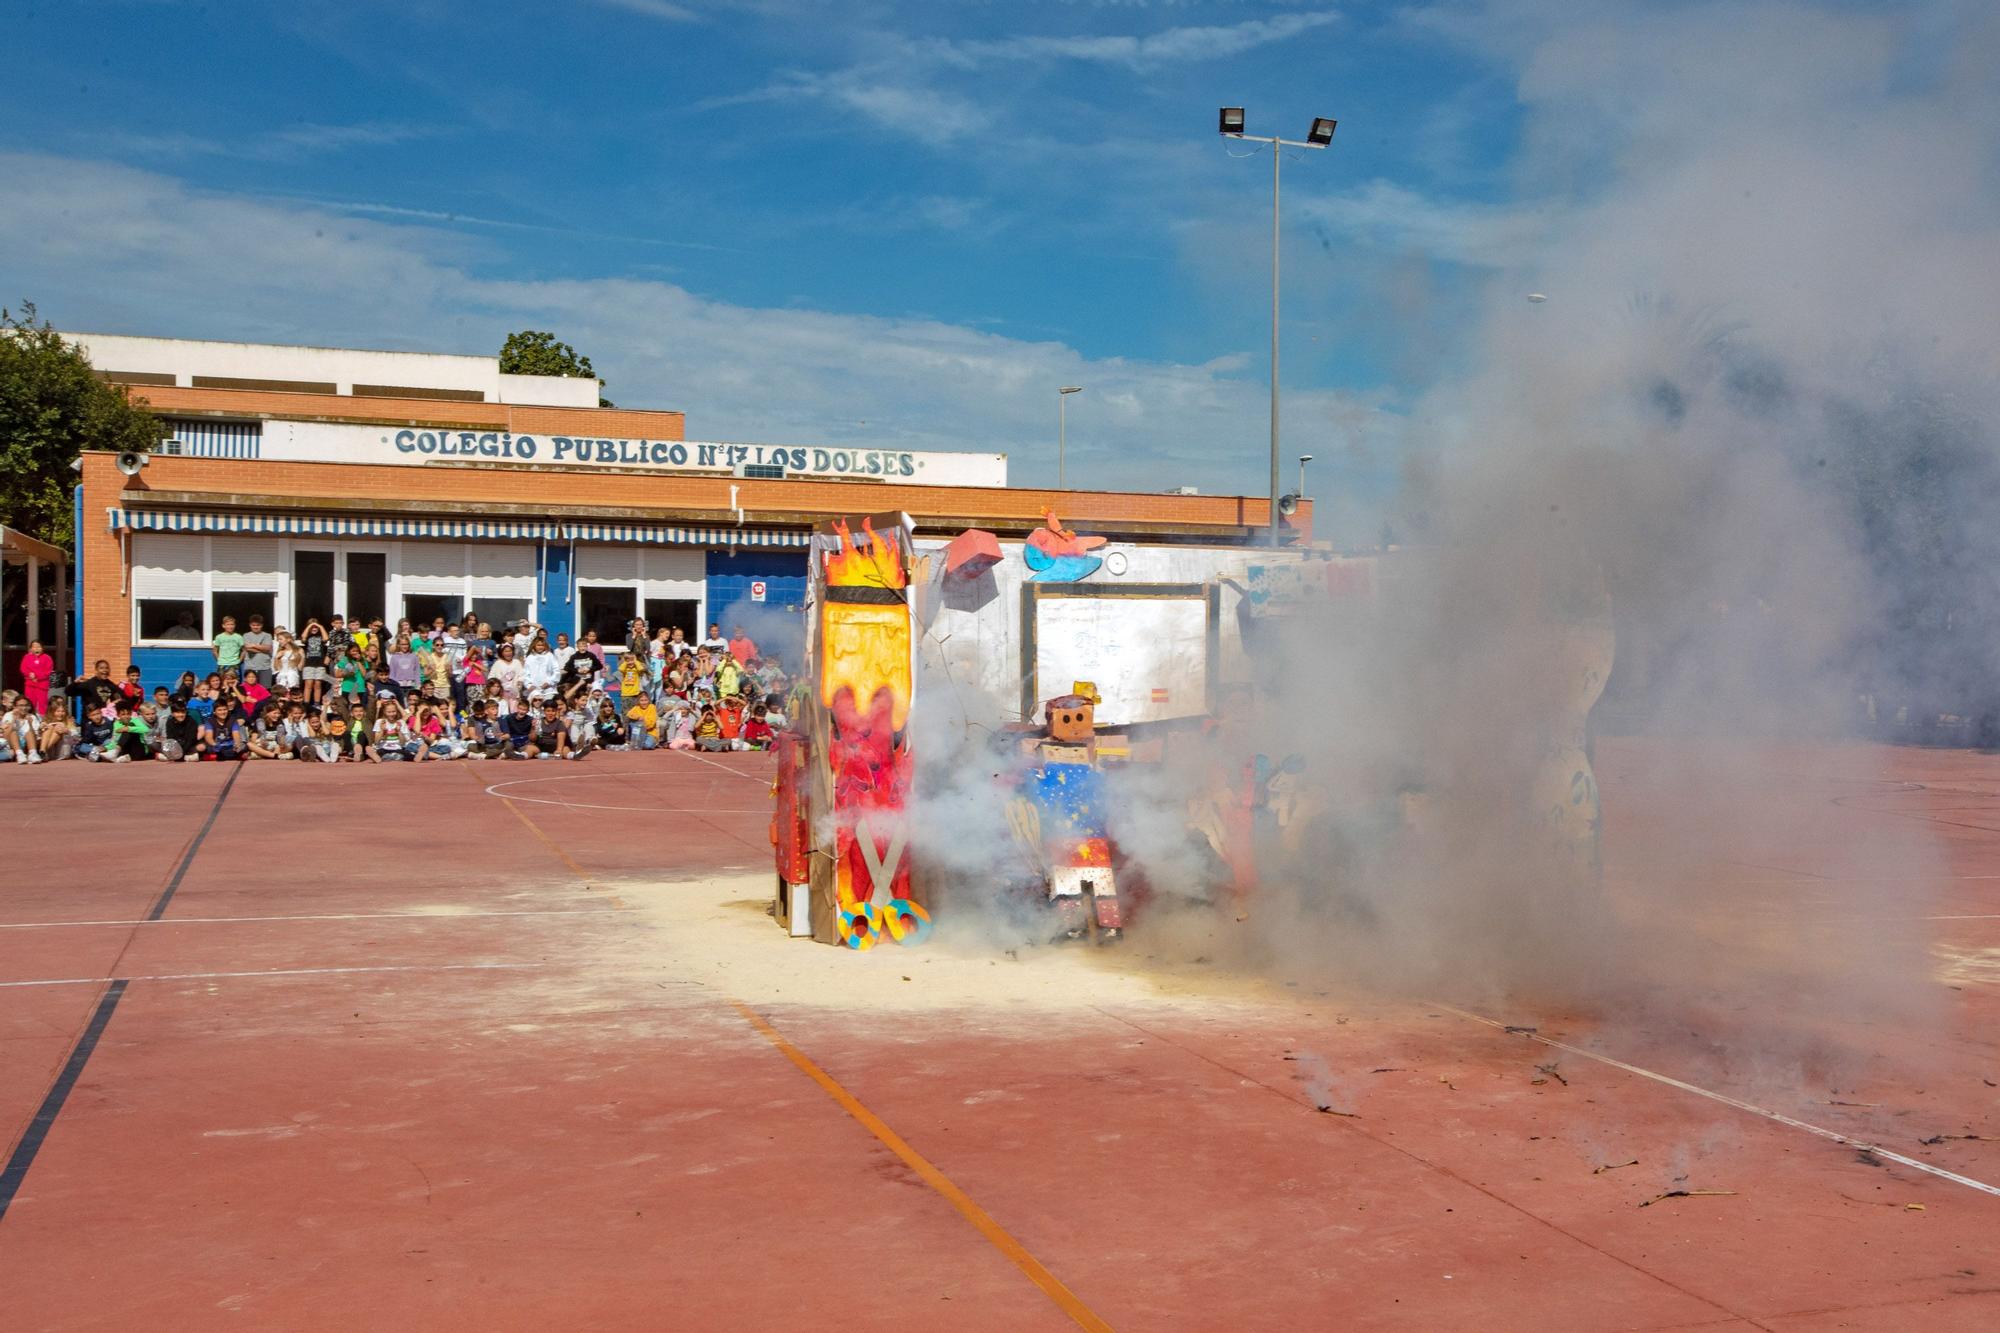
[659, 534]
[331, 525]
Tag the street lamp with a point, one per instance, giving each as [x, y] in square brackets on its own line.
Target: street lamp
[1321, 134]
[1062, 401]
[1303, 460]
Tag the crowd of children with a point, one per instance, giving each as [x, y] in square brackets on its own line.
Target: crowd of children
[362, 693]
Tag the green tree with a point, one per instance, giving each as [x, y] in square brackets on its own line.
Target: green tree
[51, 408]
[532, 352]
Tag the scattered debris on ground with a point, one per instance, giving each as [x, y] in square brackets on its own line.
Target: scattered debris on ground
[1613, 1166]
[1549, 1071]
[1962, 1138]
[1686, 1194]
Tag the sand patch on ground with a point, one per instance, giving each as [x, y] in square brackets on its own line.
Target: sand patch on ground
[717, 933]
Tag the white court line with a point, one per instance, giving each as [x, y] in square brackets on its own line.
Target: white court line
[284, 972]
[725, 768]
[329, 916]
[1990, 916]
[494, 790]
[1727, 1100]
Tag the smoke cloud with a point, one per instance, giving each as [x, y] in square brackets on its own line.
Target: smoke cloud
[1748, 438]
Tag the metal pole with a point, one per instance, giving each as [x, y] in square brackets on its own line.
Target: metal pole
[1302, 478]
[1062, 402]
[1276, 151]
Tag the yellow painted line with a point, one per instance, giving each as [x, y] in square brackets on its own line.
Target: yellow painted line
[550, 843]
[1051, 1285]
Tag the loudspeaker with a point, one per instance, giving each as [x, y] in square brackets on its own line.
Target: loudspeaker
[131, 461]
[1288, 504]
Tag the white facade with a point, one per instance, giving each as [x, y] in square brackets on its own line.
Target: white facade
[347, 442]
[187, 358]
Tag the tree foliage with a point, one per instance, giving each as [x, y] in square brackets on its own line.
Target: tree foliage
[51, 408]
[533, 352]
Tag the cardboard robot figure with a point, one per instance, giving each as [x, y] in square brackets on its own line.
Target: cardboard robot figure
[1066, 792]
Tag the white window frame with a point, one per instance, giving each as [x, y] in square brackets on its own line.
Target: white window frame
[390, 549]
[643, 587]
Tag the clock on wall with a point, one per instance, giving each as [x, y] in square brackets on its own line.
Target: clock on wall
[1116, 563]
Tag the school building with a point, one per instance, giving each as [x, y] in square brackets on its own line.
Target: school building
[301, 481]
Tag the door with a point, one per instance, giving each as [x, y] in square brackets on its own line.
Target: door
[312, 586]
[367, 586]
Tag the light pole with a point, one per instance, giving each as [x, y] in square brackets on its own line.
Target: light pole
[1321, 134]
[1062, 433]
[1303, 460]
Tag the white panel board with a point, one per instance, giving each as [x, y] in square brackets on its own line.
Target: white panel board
[246, 564]
[169, 565]
[607, 563]
[1148, 656]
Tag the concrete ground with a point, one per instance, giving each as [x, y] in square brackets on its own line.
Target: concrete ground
[514, 1047]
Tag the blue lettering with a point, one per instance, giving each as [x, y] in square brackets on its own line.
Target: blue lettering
[874, 463]
[656, 452]
[678, 455]
[842, 460]
[737, 453]
[406, 441]
[705, 454]
[563, 444]
[468, 443]
[798, 460]
[427, 443]
[489, 445]
[521, 446]
[822, 461]
[909, 465]
[607, 452]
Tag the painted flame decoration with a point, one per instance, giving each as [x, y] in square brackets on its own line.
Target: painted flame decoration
[873, 564]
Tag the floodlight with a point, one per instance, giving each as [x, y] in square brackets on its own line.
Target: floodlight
[1322, 132]
[1232, 120]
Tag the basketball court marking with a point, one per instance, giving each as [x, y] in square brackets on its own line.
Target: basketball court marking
[1776, 1116]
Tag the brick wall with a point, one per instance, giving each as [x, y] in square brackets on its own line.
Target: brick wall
[107, 612]
[606, 422]
[933, 505]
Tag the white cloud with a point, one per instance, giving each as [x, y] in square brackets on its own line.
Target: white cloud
[118, 249]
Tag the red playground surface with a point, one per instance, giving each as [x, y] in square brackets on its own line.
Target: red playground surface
[513, 1046]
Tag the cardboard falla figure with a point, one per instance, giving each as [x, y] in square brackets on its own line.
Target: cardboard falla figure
[1061, 815]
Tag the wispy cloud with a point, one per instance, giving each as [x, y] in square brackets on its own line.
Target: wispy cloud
[289, 143]
[366, 208]
[653, 9]
[1168, 46]
[1390, 217]
[909, 85]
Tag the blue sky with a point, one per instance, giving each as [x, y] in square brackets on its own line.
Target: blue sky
[862, 222]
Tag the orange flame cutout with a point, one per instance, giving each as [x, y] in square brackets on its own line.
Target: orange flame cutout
[872, 564]
[1054, 524]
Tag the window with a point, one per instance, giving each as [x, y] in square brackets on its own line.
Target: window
[171, 620]
[609, 611]
[424, 607]
[497, 611]
[242, 605]
[679, 613]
